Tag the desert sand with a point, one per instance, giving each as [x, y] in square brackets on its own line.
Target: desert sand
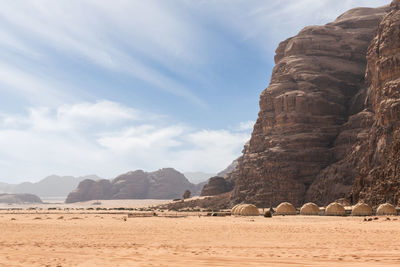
[83, 239]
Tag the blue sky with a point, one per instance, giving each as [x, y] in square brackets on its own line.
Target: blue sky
[94, 86]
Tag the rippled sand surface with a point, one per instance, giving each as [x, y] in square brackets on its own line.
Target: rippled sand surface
[34, 239]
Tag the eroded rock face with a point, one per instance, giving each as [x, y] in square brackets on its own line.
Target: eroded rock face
[162, 184]
[310, 115]
[215, 186]
[89, 190]
[379, 177]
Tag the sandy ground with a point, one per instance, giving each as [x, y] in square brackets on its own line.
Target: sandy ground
[110, 240]
[59, 203]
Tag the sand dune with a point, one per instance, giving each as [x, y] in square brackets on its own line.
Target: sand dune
[109, 240]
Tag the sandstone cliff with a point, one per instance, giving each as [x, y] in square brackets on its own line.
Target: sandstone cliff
[162, 184]
[215, 186]
[312, 114]
[379, 177]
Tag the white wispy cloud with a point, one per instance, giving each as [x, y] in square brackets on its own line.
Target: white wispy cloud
[246, 125]
[38, 90]
[61, 140]
[122, 36]
[159, 42]
[263, 24]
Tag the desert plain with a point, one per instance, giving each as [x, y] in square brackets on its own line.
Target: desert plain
[94, 238]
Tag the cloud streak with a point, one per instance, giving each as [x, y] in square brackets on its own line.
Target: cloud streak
[64, 27]
[62, 140]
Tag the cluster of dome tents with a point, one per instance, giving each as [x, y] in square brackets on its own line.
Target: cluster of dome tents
[333, 209]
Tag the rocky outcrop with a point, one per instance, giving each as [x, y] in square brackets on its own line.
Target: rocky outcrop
[310, 116]
[19, 199]
[162, 184]
[379, 178]
[90, 190]
[215, 186]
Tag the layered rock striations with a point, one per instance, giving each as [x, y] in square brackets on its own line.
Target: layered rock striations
[379, 178]
[215, 186]
[310, 115]
[162, 184]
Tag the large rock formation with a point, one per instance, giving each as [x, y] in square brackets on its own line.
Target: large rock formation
[379, 177]
[215, 186]
[311, 114]
[162, 184]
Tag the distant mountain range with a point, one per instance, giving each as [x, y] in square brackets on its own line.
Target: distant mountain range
[51, 186]
[168, 185]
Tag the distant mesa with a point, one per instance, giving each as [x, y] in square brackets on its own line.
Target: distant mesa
[165, 183]
[19, 198]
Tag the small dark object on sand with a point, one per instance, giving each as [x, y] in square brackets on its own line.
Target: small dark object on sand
[268, 214]
[370, 219]
[376, 218]
[387, 219]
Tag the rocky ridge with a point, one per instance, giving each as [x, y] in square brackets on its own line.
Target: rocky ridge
[215, 186]
[165, 183]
